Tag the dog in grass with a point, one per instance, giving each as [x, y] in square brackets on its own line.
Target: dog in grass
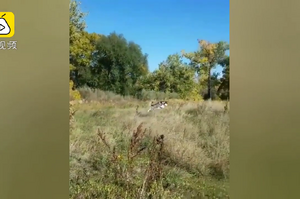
[153, 106]
[158, 105]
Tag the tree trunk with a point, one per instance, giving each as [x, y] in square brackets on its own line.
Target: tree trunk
[209, 83]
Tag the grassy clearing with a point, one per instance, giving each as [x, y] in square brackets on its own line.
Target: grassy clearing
[117, 151]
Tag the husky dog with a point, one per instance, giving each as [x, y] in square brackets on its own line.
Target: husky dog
[158, 105]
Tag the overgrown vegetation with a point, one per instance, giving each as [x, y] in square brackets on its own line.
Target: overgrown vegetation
[117, 151]
[117, 148]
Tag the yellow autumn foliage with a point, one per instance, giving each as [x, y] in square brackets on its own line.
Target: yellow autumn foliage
[194, 95]
[74, 94]
[209, 50]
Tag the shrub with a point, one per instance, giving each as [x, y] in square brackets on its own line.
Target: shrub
[74, 94]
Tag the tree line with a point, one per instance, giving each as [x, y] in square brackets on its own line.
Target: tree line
[111, 63]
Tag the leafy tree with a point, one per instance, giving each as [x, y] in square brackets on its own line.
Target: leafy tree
[215, 82]
[223, 90]
[205, 59]
[172, 76]
[119, 64]
[82, 46]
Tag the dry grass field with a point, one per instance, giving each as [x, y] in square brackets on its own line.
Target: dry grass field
[116, 151]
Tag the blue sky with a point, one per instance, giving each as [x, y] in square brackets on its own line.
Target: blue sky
[163, 27]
